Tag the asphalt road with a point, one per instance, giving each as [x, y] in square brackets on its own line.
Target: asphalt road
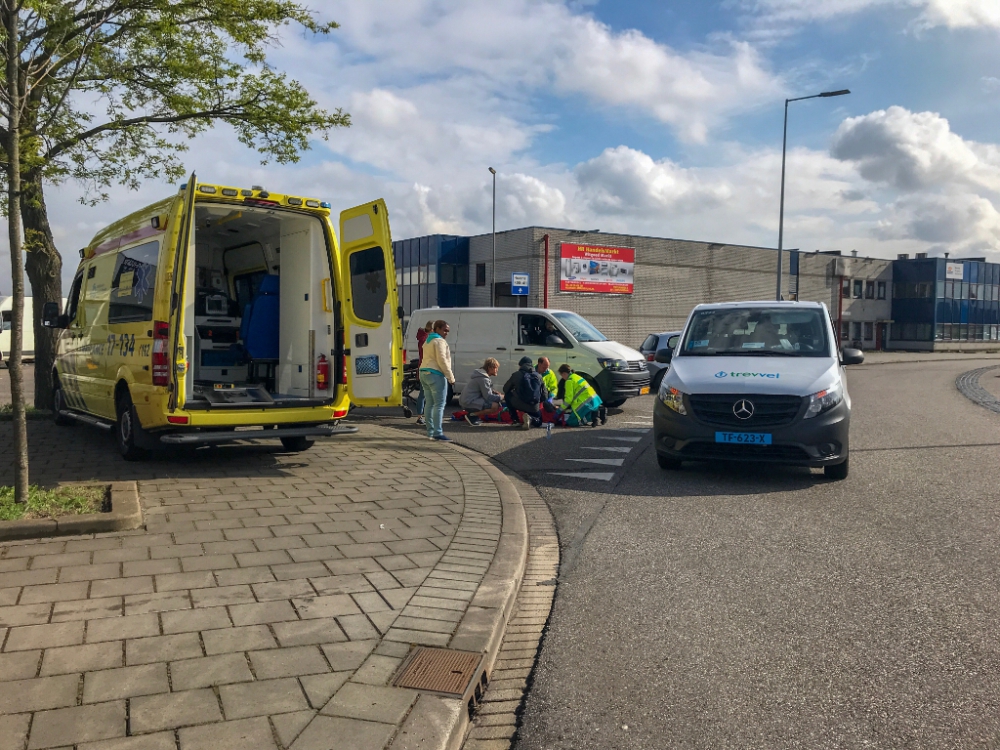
[770, 608]
[759, 607]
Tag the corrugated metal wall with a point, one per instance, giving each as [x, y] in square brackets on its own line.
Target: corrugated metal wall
[671, 277]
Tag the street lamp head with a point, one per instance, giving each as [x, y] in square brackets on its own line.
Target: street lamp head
[826, 94]
[492, 170]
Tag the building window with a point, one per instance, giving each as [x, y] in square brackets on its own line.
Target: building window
[858, 284]
[845, 331]
[857, 332]
[870, 290]
[845, 288]
[881, 290]
[869, 331]
[480, 274]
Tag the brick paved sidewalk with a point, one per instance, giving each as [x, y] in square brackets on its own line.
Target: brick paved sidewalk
[267, 604]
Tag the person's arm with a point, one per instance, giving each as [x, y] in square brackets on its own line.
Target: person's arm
[561, 390]
[444, 358]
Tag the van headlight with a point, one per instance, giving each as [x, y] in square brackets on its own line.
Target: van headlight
[615, 365]
[824, 400]
[672, 399]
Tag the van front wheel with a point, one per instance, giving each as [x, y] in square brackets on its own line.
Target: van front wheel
[296, 444]
[837, 471]
[125, 430]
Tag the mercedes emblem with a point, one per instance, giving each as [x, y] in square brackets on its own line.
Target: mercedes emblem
[743, 409]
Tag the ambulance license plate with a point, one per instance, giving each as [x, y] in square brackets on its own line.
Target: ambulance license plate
[644, 390]
[744, 438]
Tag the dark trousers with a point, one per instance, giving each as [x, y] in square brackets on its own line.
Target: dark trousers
[516, 405]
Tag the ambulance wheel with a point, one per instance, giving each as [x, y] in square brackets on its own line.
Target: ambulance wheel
[296, 444]
[125, 430]
[58, 406]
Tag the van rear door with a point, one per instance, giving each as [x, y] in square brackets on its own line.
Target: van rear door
[373, 332]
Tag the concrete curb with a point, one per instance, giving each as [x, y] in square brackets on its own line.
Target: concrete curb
[968, 385]
[442, 723]
[125, 514]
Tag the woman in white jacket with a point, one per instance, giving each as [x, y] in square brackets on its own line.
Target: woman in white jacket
[435, 374]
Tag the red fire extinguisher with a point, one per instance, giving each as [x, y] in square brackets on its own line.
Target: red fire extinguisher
[322, 373]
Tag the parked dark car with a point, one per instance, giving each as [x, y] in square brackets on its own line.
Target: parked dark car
[649, 347]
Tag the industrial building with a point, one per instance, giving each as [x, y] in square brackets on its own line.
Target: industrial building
[630, 286]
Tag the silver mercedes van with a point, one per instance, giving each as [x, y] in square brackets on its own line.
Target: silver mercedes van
[756, 381]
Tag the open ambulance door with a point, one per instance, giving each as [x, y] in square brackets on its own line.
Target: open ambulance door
[180, 348]
[373, 332]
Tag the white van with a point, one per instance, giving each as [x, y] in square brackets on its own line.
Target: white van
[616, 372]
[6, 321]
[756, 381]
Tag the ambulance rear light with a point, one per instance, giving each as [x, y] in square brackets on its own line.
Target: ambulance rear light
[161, 353]
[177, 420]
[339, 413]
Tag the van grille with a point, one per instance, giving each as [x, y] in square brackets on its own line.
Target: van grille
[768, 411]
[732, 452]
[637, 365]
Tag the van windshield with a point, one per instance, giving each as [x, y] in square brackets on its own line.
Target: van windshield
[757, 331]
[579, 328]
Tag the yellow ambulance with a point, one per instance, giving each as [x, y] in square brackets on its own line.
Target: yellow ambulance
[227, 313]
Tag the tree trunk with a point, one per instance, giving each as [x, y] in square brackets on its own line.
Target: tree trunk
[13, 147]
[44, 266]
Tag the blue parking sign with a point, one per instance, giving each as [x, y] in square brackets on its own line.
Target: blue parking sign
[519, 283]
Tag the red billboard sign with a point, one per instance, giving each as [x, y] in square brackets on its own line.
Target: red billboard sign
[596, 269]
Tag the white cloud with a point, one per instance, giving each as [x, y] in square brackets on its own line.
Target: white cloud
[625, 181]
[952, 14]
[962, 223]
[907, 150]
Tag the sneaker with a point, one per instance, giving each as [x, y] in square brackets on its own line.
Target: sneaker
[443, 438]
[473, 420]
[420, 421]
[595, 422]
[525, 421]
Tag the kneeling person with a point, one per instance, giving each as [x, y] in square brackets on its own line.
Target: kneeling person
[582, 401]
[478, 397]
[525, 392]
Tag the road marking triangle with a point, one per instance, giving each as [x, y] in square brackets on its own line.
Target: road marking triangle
[600, 461]
[599, 476]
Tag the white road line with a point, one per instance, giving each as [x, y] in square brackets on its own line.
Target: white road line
[623, 439]
[598, 476]
[601, 461]
[608, 448]
[648, 423]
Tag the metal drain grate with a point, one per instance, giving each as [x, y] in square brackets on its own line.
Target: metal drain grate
[440, 670]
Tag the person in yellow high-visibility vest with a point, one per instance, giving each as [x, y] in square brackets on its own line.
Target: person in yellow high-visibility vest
[581, 403]
[550, 380]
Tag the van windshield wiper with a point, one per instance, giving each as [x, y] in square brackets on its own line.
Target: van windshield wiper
[767, 353]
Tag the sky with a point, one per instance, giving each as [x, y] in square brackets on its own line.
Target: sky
[650, 117]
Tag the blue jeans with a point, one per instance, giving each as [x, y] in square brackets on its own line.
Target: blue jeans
[435, 389]
[420, 401]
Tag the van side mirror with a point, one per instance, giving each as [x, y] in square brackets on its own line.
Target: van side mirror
[51, 317]
[663, 356]
[852, 356]
[672, 342]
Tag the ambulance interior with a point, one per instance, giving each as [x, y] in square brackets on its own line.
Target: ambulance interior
[260, 307]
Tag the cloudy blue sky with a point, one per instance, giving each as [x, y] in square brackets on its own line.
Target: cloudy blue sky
[647, 117]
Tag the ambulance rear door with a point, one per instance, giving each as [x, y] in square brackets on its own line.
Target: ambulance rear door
[373, 331]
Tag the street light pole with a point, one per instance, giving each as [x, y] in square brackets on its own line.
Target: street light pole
[784, 144]
[493, 265]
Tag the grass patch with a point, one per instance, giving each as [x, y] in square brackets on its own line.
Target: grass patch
[62, 501]
[7, 413]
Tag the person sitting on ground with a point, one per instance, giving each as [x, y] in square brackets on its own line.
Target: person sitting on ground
[478, 397]
[524, 392]
[550, 380]
[582, 402]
